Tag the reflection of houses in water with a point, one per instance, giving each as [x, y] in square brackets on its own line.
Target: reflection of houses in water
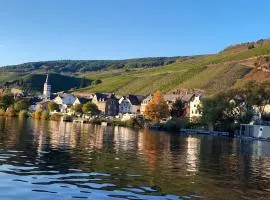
[62, 135]
[255, 148]
[255, 157]
[156, 147]
[124, 139]
[192, 154]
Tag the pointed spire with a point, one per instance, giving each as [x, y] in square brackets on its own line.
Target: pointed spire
[47, 79]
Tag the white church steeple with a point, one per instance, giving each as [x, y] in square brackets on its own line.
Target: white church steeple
[47, 89]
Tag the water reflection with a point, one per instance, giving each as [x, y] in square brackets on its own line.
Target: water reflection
[52, 160]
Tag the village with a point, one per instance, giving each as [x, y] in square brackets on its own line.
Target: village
[185, 111]
[84, 107]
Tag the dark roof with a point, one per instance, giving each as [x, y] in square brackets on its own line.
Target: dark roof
[135, 99]
[83, 100]
[34, 100]
[101, 96]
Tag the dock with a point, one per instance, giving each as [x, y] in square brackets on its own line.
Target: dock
[204, 132]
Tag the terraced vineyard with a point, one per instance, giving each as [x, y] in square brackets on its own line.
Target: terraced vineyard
[210, 73]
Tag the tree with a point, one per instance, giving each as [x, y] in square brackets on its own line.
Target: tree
[90, 108]
[98, 81]
[6, 101]
[157, 108]
[21, 105]
[78, 108]
[53, 106]
[178, 109]
[251, 46]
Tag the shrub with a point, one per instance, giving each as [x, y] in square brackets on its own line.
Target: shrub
[10, 112]
[23, 114]
[45, 115]
[98, 81]
[37, 114]
[2, 112]
[53, 106]
[21, 105]
[77, 108]
[68, 118]
[56, 117]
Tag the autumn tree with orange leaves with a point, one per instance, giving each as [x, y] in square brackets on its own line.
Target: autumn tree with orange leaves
[157, 108]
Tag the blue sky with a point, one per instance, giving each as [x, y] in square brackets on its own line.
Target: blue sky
[35, 30]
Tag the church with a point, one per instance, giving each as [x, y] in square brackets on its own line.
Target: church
[47, 89]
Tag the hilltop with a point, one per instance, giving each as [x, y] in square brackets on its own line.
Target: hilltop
[211, 73]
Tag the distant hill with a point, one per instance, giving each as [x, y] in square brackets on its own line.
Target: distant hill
[75, 66]
[35, 82]
[211, 73]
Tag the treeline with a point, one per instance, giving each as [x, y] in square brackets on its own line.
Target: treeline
[247, 45]
[74, 66]
[226, 110]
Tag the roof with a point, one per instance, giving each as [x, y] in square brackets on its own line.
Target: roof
[34, 100]
[83, 100]
[63, 95]
[101, 96]
[135, 99]
[172, 97]
[187, 97]
[182, 97]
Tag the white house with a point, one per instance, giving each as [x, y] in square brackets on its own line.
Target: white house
[130, 104]
[144, 103]
[80, 100]
[125, 105]
[194, 107]
[65, 101]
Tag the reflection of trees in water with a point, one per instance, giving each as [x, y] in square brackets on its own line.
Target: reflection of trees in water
[174, 163]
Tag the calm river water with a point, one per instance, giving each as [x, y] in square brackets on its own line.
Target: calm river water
[51, 160]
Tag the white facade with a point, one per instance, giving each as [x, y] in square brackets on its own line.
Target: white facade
[67, 99]
[194, 106]
[65, 102]
[77, 101]
[125, 105]
[47, 89]
[144, 103]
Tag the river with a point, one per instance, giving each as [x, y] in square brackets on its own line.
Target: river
[53, 160]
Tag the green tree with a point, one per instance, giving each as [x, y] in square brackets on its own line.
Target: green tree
[98, 81]
[77, 108]
[6, 101]
[90, 108]
[21, 105]
[178, 109]
[52, 106]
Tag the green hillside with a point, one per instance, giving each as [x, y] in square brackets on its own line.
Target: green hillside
[35, 82]
[210, 73]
